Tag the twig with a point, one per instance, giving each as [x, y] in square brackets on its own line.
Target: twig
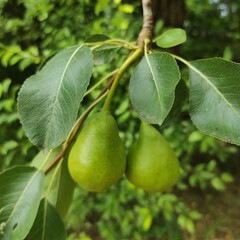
[147, 27]
[132, 57]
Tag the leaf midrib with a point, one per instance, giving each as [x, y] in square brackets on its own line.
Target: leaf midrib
[59, 88]
[154, 80]
[21, 196]
[213, 86]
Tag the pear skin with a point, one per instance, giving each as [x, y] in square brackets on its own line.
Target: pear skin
[97, 159]
[152, 165]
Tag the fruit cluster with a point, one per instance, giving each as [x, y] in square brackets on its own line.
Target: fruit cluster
[98, 158]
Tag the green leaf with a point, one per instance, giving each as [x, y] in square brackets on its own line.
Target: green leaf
[147, 222]
[215, 98]
[46, 157]
[105, 53]
[126, 8]
[48, 224]
[65, 189]
[59, 186]
[181, 96]
[48, 101]
[1, 90]
[97, 38]
[227, 178]
[195, 215]
[218, 184]
[152, 87]
[171, 38]
[100, 6]
[24, 63]
[20, 195]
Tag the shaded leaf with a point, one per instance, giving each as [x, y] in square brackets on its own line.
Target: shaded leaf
[65, 189]
[48, 224]
[42, 155]
[105, 53]
[152, 87]
[181, 96]
[20, 195]
[96, 38]
[171, 38]
[59, 186]
[215, 98]
[49, 100]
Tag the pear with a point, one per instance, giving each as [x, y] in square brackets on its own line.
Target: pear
[97, 159]
[151, 164]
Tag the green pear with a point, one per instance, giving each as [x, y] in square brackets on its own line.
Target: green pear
[151, 164]
[97, 159]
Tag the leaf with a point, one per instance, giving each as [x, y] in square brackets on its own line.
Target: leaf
[58, 180]
[48, 225]
[48, 101]
[218, 184]
[101, 5]
[104, 53]
[20, 195]
[48, 158]
[171, 38]
[41, 156]
[181, 96]
[65, 189]
[126, 8]
[152, 87]
[227, 178]
[147, 222]
[215, 98]
[97, 38]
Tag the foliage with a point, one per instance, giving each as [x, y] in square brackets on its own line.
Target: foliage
[15, 146]
[212, 28]
[32, 33]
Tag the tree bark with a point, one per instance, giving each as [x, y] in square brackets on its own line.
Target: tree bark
[147, 27]
[172, 12]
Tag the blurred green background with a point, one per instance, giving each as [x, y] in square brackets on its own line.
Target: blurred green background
[204, 204]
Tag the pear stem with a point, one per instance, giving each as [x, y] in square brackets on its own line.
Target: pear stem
[135, 55]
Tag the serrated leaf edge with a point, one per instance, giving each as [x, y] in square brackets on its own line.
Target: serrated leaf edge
[15, 206]
[154, 79]
[213, 86]
[60, 83]
[187, 63]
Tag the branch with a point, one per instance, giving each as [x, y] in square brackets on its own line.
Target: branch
[147, 28]
[135, 55]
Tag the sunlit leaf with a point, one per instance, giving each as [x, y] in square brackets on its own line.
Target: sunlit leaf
[152, 87]
[49, 100]
[127, 8]
[171, 38]
[20, 195]
[218, 184]
[100, 6]
[215, 98]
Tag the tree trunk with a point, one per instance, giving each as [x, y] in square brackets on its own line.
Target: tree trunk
[172, 12]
